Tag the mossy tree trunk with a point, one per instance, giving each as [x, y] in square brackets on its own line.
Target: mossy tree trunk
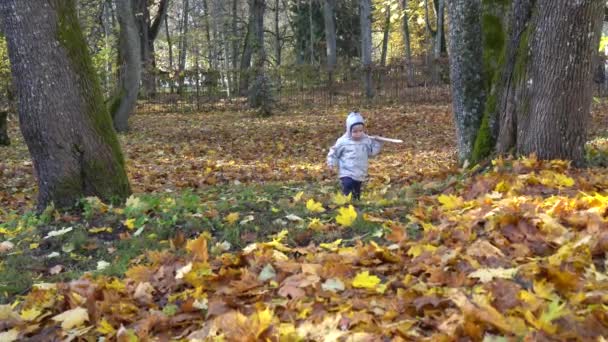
[468, 91]
[4, 139]
[63, 119]
[129, 68]
[537, 74]
[555, 79]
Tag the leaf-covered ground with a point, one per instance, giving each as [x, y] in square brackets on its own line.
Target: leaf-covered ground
[515, 250]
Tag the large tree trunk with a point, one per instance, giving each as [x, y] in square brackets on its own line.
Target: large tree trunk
[559, 79]
[539, 89]
[260, 96]
[329, 14]
[468, 93]
[365, 13]
[407, 43]
[148, 30]
[129, 67]
[64, 122]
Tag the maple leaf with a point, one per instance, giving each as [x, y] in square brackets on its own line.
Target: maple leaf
[450, 202]
[30, 314]
[340, 199]
[198, 248]
[315, 224]
[298, 197]
[314, 207]
[129, 223]
[105, 328]
[488, 274]
[72, 318]
[365, 280]
[331, 246]
[232, 218]
[346, 216]
[419, 248]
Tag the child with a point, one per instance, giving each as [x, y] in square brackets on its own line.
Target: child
[350, 154]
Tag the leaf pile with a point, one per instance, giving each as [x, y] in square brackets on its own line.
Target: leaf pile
[517, 252]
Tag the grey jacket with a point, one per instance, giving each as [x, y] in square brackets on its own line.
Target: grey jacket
[351, 156]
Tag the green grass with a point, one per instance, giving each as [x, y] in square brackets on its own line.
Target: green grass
[159, 218]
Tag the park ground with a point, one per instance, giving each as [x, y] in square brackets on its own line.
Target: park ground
[235, 229]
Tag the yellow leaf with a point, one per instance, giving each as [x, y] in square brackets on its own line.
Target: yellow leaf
[418, 249]
[298, 196]
[232, 218]
[314, 207]
[130, 223]
[72, 318]
[198, 248]
[34, 245]
[101, 230]
[450, 202]
[30, 314]
[366, 281]
[262, 320]
[487, 274]
[315, 224]
[502, 187]
[115, 284]
[346, 216]
[340, 199]
[544, 289]
[331, 246]
[105, 328]
[563, 180]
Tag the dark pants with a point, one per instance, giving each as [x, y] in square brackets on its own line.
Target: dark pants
[349, 186]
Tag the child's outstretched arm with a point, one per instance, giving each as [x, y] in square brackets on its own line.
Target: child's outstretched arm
[374, 147]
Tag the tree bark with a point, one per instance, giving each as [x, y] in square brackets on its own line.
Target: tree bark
[246, 58]
[407, 43]
[260, 96]
[311, 27]
[4, 139]
[235, 44]
[468, 93]
[365, 15]
[148, 31]
[329, 14]
[64, 122]
[559, 79]
[385, 35]
[183, 45]
[277, 34]
[539, 89]
[170, 44]
[129, 67]
[210, 57]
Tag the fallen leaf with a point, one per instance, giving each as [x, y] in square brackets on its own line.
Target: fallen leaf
[72, 318]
